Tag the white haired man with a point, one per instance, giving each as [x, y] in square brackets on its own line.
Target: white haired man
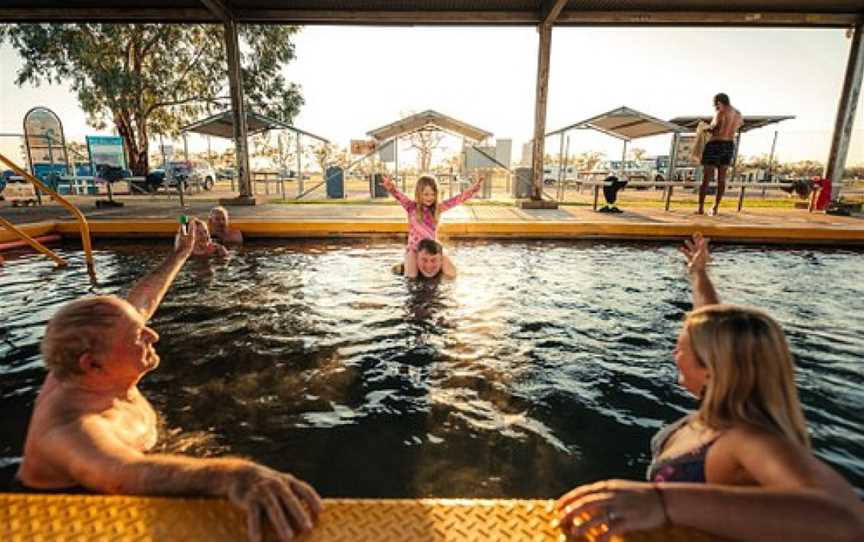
[91, 426]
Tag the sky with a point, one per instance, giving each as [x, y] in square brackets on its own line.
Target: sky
[355, 79]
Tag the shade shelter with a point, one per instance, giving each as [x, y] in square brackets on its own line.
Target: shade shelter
[750, 122]
[428, 120]
[222, 125]
[626, 124]
[542, 14]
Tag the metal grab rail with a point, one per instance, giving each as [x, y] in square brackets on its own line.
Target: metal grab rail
[82, 220]
[33, 242]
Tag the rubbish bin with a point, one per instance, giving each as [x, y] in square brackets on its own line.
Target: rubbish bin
[376, 186]
[335, 177]
[522, 188]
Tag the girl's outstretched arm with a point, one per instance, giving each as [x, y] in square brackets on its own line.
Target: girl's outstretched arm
[407, 203]
[464, 196]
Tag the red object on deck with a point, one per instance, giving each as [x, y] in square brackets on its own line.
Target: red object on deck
[824, 196]
[22, 243]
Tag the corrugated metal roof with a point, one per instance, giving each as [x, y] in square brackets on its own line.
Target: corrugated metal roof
[624, 123]
[751, 122]
[428, 12]
[429, 120]
[222, 125]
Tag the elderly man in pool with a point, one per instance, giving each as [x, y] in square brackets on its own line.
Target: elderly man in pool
[91, 426]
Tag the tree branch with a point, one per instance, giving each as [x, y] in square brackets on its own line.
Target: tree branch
[194, 60]
[213, 99]
[164, 29]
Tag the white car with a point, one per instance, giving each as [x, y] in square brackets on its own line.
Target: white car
[551, 174]
[199, 171]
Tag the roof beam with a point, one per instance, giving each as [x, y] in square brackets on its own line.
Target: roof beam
[707, 18]
[628, 124]
[567, 17]
[220, 9]
[550, 9]
[119, 15]
[369, 17]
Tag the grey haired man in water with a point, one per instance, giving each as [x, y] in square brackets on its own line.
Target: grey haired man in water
[91, 426]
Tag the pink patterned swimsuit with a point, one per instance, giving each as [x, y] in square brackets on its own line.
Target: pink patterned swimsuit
[427, 228]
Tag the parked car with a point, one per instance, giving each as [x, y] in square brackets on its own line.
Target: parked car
[194, 170]
[182, 172]
[225, 173]
[647, 170]
[551, 173]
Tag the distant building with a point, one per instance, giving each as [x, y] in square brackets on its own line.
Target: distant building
[527, 153]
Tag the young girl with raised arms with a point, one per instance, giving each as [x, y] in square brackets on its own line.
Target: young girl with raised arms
[424, 213]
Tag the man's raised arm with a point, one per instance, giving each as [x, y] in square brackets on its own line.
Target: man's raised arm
[696, 252]
[148, 292]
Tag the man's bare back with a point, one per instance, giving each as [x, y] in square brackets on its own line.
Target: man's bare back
[726, 123]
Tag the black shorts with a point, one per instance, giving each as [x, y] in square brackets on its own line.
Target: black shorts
[718, 153]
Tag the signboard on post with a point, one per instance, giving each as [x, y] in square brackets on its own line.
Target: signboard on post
[46, 146]
[387, 152]
[684, 150]
[363, 146]
[105, 151]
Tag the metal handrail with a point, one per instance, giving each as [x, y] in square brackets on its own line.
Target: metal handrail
[82, 220]
[33, 242]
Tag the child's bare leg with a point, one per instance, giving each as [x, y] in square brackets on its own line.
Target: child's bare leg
[411, 264]
[448, 268]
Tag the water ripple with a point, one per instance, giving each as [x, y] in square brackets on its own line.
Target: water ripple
[543, 366]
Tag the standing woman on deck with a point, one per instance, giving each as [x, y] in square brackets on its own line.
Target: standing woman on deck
[424, 213]
[740, 466]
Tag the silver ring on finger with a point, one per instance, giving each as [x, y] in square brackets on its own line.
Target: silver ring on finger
[612, 516]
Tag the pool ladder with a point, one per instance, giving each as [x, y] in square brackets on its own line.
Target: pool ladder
[83, 226]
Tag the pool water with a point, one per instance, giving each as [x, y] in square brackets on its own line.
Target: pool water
[543, 366]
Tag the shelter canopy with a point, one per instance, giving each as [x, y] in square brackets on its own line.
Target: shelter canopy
[429, 120]
[826, 13]
[750, 122]
[624, 123]
[222, 125]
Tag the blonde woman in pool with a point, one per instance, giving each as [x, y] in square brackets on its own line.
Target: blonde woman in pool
[204, 246]
[740, 466]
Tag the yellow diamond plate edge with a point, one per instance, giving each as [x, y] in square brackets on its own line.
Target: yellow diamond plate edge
[25, 517]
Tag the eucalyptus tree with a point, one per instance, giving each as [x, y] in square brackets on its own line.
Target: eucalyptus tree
[150, 79]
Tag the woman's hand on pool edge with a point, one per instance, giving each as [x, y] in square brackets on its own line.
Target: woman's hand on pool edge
[618, 506]
[291, 505]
